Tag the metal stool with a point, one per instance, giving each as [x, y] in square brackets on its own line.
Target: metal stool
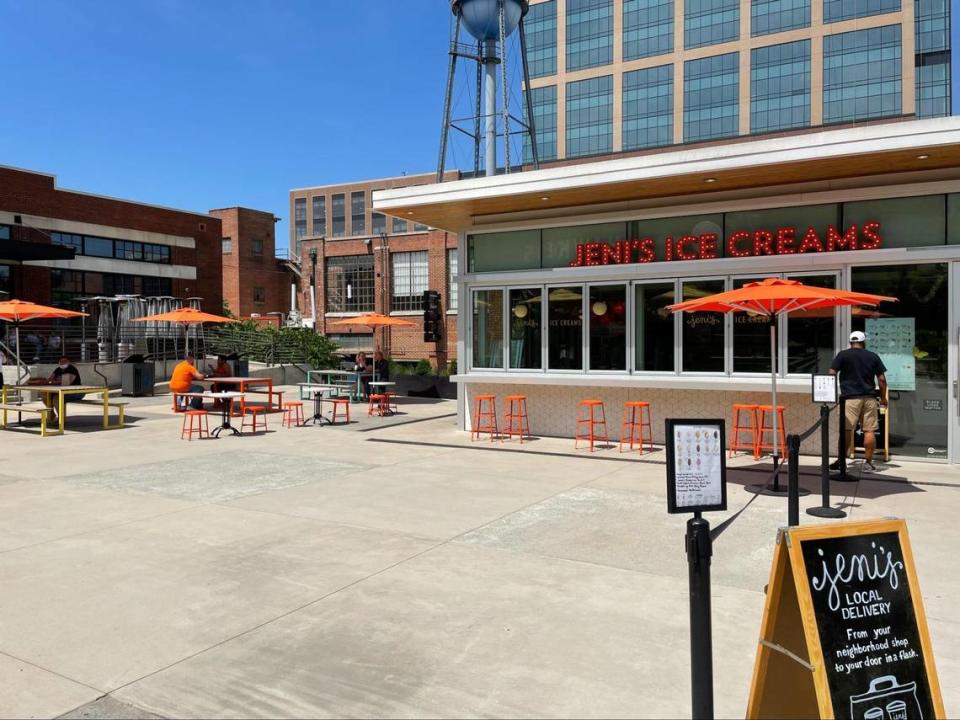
[485, 417]
[735, 444]
[515, 420]
[593, 415]
[339, 403]
[202, 428]
[762, 444]
[630, 421]
[292, 413]
[252, 413]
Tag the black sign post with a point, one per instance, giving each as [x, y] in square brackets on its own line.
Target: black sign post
[825, 392]
[697, 483]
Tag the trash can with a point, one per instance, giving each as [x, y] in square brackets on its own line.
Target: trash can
[136, 376]
[239, 367]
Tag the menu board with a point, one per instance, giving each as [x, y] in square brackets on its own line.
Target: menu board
[825, 389]
[893, 339]
[696, 466]
[844, 631]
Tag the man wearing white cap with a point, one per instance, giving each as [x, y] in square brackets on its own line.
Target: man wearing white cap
[861, 372]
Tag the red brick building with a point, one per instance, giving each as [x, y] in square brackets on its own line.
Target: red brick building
[120, 246]
[255, 281]
[367, 262]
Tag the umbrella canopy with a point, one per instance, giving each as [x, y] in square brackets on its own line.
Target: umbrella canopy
[185, 316]
[374, 320]
[772, 297]
[18, 311]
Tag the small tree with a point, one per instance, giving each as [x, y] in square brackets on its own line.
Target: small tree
[424, 367]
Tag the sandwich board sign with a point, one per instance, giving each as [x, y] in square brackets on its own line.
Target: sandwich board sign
[844, 634]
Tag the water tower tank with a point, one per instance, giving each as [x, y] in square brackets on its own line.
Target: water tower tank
[481, 17]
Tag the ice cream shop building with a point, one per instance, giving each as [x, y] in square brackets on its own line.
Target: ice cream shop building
[567, 272]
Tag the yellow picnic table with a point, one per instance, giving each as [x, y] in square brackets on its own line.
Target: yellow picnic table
[61, 391]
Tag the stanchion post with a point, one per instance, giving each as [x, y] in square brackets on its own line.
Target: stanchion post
[825, 510]
[699, 551]
[793, 480]
[841, 474]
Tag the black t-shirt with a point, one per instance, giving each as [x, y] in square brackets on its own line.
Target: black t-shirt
[858, 369]
[68, 370]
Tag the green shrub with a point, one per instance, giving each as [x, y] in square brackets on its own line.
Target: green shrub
[452, 367]
[424, 368]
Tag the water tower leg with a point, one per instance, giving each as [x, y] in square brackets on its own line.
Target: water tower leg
[505, 91]
[490, 108]
[479, 112]
[451, 74]
[528, 98]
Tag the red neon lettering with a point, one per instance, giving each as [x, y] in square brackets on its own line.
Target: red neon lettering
[591, 253]
[811, 241]
[733, 244]
[871, 231]
[682, 254]
[668, 249]
[708, 246]
[836, 241]
[578, 261]
[763, 242]
[610, 253]
[785, 238]
[645, 249]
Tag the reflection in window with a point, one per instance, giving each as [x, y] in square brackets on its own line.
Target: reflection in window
[702, 331]
[410, 279]
[544, 102]
[541, 27]
[565, 335]
[810, 333]
[780, 86]
[590, 116]
[862, 74]
[488, 329]
[711, 88]
[836, 10]
[647, 28]
[358, 213]
[589, 33]
[526, 312]
[608, 327]
[654, 328]
[751, 338]
[339, 215]
[349, 285]
[648, 107]
[708, 22]
[773, 16]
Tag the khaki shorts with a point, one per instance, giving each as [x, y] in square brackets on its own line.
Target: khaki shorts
[866, 411]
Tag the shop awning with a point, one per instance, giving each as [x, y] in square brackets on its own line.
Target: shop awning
[816, 160]
[19, 251]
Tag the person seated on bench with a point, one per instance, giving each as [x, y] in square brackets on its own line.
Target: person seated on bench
[222, 369]
[362, 365]
[65, 373]
[182, 381]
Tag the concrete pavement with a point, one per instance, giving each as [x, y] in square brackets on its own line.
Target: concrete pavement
[389, 568]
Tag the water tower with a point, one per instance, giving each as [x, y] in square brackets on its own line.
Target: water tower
[490, 23]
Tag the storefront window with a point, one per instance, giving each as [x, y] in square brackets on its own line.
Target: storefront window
[565, 336]
[677, 227]
[702, 331]
[505, 251]
[751, 338]
[488, 329]
[911, 337]
[608, 327]
[653, 327]
[560, 244]
[810, 334]
[6, 288]
[526, 312]
[904, 222]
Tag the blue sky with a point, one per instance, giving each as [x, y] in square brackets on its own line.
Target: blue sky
[199, 104]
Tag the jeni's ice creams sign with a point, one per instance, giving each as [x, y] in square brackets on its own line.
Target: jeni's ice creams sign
[708, 246]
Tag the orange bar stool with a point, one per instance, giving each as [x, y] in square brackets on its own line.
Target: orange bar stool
[340, 405]
[391, 402]
[642, 425]
[736, 445]
[485, 417]
[201, 427]
[766, 411]
[590, 416]
[251, 417]
[515, 420]
[375, 404]
[292, 413]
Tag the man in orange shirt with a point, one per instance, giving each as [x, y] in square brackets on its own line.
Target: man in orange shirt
[182, 381]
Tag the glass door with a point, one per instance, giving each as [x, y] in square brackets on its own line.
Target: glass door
[954, 365]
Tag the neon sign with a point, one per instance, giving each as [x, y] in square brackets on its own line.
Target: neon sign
[706, 246]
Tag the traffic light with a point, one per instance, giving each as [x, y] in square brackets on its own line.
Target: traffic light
[432, 316]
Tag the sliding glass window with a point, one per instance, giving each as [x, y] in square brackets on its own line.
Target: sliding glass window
[654, 327]
[751, 338]
[608, 327]
[810, 333]
[526, 326]
[703, 336]
[565, 334]
[488, 329]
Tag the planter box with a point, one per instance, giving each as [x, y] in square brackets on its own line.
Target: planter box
[429, 386]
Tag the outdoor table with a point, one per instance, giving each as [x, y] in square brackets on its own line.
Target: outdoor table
[355, 377]
[243, 385]
[318, 389]
[61, 391]
[226, 408]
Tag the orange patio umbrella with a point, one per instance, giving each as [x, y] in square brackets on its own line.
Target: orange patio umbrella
[772, 297]
[375, 320]
[18, 311]
[186, 316]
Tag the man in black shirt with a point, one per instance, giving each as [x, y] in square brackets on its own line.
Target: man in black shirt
[65, 373]
[861, 372]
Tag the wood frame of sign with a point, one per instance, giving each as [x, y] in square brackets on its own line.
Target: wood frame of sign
[844, 633]
[813, 389]
[675, 506]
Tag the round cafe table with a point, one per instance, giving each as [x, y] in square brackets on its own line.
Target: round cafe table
[226, 407]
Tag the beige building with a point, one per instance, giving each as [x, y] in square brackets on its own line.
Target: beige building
[611, 76]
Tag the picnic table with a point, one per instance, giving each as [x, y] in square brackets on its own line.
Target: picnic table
[243, 386]
[340, 378]
[318, 389]
[62, 391]
[226, 407]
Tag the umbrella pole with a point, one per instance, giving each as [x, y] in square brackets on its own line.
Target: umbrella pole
[19, 357]
[773, 378]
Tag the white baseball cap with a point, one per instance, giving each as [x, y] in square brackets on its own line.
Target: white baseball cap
[858, 336]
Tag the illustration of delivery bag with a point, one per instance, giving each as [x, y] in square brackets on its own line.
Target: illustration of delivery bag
[887, 700]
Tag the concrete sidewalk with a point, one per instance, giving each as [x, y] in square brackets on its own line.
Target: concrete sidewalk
[389, 568]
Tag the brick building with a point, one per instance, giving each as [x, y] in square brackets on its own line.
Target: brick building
[255, 281]
[367, 262]
[119, 246]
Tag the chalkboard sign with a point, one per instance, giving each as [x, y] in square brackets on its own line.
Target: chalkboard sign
[696, 466]
[844, 632]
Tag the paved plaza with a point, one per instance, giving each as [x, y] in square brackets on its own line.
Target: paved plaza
[389, 568]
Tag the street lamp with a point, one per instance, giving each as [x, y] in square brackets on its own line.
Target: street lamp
[313, 286]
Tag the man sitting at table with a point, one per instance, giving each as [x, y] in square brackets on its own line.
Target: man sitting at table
[65, 373]
[222, 369]
[182, 381]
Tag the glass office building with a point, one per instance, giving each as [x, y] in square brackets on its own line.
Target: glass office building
[603, 70]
